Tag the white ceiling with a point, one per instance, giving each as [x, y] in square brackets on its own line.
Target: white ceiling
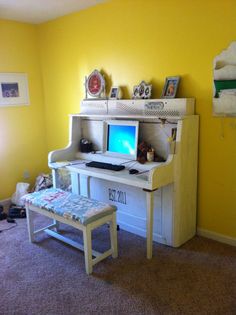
[39, 11]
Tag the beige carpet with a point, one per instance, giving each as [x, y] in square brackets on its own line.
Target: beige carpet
[49, 278]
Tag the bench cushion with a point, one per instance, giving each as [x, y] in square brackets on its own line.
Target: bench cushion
[69, 205]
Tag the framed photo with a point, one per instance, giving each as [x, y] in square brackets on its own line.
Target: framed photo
[95, 84]
[115, 92]
[147, 89]
[135, 92]
[142, 91]
[170, 87]
[14, 89]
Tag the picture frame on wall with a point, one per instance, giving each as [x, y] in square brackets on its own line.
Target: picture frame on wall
[170, 87]
[14, 89]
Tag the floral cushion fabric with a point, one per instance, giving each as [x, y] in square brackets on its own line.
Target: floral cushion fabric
[69, 205]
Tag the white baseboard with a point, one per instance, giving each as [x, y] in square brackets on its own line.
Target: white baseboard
[216, 236]
[138, 231]
[5, 203]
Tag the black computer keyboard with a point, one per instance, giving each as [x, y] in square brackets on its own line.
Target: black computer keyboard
[106, 166]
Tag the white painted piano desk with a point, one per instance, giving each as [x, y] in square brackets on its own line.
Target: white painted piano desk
[168, 190]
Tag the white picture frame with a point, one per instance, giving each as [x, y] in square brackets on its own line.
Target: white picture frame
[14, 89]
[95, 85]
[135, 94]
[142, 91]
[114, 93]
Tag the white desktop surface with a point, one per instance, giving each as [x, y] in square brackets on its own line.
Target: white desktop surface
[137, 180]
[143, 181]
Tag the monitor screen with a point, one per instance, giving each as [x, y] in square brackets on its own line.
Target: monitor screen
[121, 138]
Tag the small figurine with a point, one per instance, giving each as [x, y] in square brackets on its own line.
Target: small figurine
[142, 152]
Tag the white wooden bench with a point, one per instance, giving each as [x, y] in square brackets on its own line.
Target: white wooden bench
[80, 212]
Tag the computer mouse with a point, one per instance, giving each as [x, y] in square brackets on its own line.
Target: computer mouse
[133, 171]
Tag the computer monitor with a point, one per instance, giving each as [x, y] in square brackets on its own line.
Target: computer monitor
[121, 138]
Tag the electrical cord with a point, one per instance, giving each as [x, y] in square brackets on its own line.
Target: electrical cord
[11, 227]
[130, 165]
[128, 162]
[142, 172]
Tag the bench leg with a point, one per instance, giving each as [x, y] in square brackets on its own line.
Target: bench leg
[56, 224]
[88, 249]
[113, 236]
[30, 223]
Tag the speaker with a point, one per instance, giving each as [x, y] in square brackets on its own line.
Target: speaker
[16, 212]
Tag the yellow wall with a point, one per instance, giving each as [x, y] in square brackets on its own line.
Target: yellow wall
[22, 128]
[130, 41]
[134, 40]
